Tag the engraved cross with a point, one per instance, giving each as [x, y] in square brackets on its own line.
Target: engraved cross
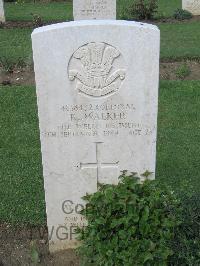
[98, 164]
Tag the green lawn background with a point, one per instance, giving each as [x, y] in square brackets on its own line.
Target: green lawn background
[178, 41]
[21, 181]
[61, 11]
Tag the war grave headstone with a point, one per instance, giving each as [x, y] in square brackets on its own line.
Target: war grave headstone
[192, 5]
[94, 9]
[97, 95]
[2, 16]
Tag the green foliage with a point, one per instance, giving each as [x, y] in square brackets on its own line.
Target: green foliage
[37, 20]
[8, 66]
[129, 224]
[181, 14]
[183, 71]
[20, 2]
[145, 9]
[140, 9]
[166, 8]
[34, 253]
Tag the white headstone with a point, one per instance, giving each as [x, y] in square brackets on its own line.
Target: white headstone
[94, 9]
[97, 91]
[192, 5]
[2, 16]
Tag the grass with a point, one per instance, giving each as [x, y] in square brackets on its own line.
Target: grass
[167, 8]
[178, 151]
[53, 11]
[21, 183]
[62, 11]
[183, 71]
[15, 47]
[178, 41]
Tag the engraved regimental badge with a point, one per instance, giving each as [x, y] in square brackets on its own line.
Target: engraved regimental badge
[94, 69]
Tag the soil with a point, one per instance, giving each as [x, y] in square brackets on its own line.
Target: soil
[18, 76]
[25, 76]
[16, 243]
[168, 70]
[25, 24]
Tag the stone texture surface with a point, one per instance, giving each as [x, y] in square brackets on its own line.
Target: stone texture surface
[192, 5]
[2, 16]
[97, 91]
[94, 9]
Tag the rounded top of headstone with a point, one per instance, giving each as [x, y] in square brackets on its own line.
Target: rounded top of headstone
[87, 23]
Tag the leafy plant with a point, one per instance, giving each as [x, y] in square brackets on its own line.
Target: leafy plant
[183, 71]
[37, 20]
[131, 223]
[34, 253]
[181, 14]
[1, 25]
[8, 65]
[20, 2]
[140, 9]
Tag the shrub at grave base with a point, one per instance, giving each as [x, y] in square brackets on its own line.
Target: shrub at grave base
[183, 71]
[181, 14]
[140, 9]
[37, 20]
[129, 224]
